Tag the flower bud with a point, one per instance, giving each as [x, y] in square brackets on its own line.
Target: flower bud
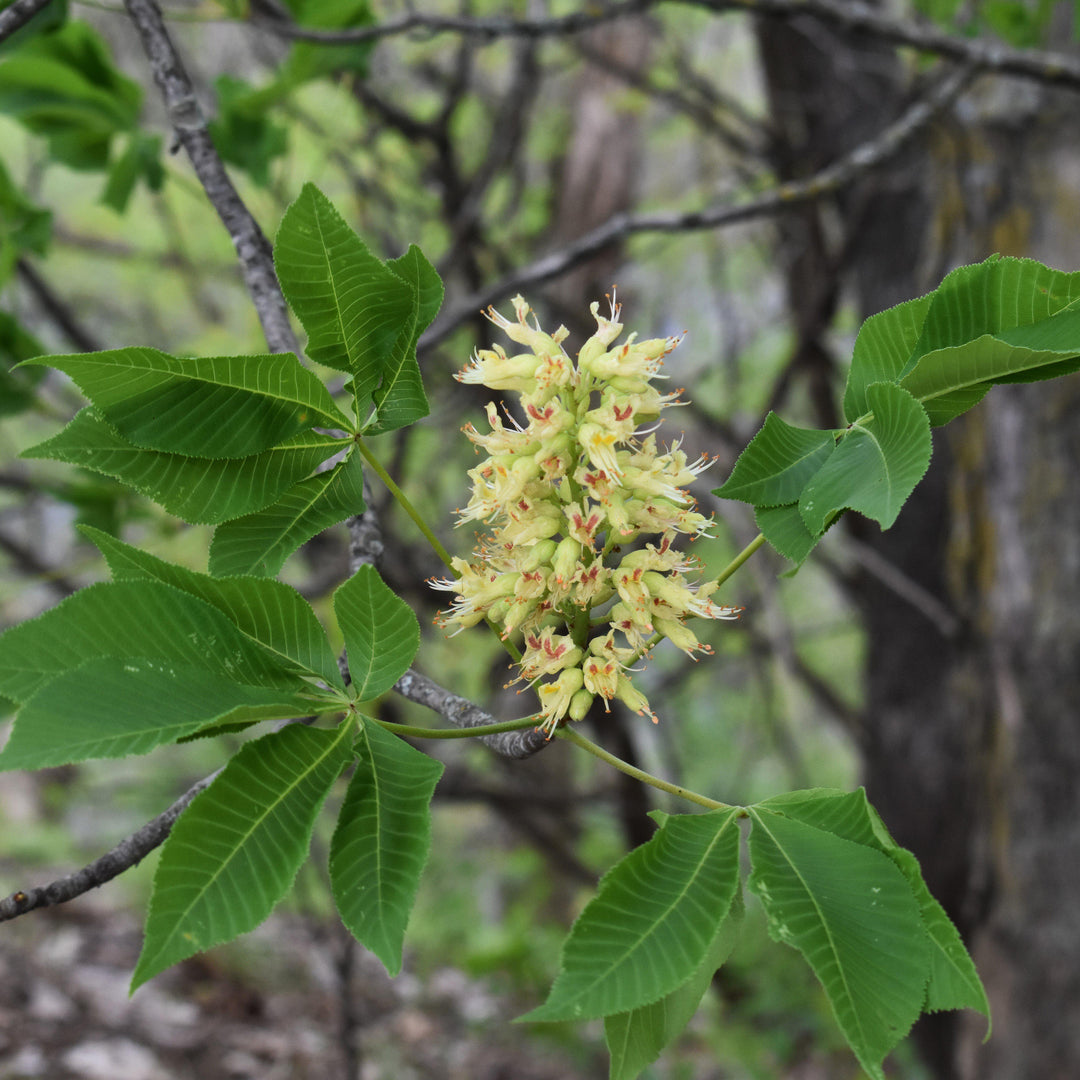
[580, 704]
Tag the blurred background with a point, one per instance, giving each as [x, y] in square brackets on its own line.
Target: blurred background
[546, 148]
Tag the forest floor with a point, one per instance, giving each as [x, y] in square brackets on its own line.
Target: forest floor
[271, 1012]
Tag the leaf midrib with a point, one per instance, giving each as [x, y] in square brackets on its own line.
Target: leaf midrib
[758, 820]
[639, 941]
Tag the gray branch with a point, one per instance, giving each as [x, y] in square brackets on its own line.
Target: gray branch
[419, 22]
[864, 157]
[252, 246]
[463, 713]
[994, 56]
[18, 14]
[128, 853]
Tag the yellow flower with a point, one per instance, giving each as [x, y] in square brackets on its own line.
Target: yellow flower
[563, 497]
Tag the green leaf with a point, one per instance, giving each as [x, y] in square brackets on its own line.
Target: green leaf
[382, 840]
[380, 629]
[777, 464]
[636, 1039]
[212, 407]
[23, 227]
[954, 983]
[242, 131]
[260, 543]
[877, 464]
[883, 348]
[852, 914]
[196, 489]
[65, 87]
[785, 530]
[990, 297]
[269, 612]
[17, 388]
[312, 60]
[652, 921]
[109, 708]
[351, 305]
[235, 851]
[950, 381]
[128, 620]
[400, 398]
[140, 160]
[48, 18]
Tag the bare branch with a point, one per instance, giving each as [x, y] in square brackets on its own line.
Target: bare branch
[495, 27]
[847, 168]
[986, 56]
[854, 15]
[128, 853]
[56, 309]
[252, 247]
[18, 14]
[463, 713]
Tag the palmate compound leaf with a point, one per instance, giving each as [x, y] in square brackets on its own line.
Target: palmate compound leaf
[260, 543]
[208, 407]
[381, 632]
[197, 489]
[953, 983]
[145, 620]
[269, 612]
[852, 914]
[652, 921]
[235, 851]
[636, 1039]
[877, 464]
[110, 708]
[1002, 320]
[382, 840]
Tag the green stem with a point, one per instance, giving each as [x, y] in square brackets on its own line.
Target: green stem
[740, 558]
[578, 739]
[458, 733]
[403, 501]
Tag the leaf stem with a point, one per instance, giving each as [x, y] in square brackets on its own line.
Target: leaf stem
[403, 501]
[740, 558]
[458, 733]
[574, 736]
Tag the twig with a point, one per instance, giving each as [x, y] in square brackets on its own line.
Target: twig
[18, 14]
[835, 176]
[944, 620]
[126, 854]
[853, 15]
[496, 27]
[988, 56]
[463, 713]
[56, 309]
[252, 247]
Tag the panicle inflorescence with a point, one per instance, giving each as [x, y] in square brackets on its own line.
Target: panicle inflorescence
[563, 497]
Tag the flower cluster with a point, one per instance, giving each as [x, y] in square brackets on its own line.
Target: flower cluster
[563, 497]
